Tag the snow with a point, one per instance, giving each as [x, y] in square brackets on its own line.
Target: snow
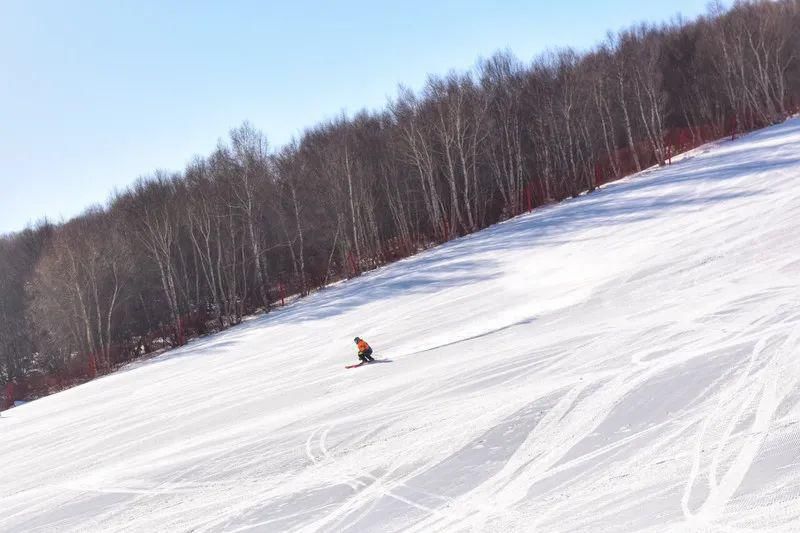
[624, 361]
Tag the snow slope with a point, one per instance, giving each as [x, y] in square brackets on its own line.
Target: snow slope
[624, 361]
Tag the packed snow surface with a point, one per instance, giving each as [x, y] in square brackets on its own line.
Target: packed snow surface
[624, 361]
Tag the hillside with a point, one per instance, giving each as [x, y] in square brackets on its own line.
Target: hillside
[623, 361]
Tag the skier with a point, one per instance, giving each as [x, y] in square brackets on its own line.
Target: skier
[364, 351]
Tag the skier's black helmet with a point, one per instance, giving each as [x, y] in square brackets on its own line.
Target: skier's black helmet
[356, 340]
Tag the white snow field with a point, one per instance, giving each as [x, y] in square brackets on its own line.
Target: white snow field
[625, 361]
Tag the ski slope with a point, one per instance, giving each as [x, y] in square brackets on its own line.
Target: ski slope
[624, 361]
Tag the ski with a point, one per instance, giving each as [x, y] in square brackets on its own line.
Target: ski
[364, 363]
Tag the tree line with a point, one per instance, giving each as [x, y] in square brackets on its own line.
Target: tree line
[183, 253]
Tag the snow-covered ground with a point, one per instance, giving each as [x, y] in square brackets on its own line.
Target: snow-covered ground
[624, 361]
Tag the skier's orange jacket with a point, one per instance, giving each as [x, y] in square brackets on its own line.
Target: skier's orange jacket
[362, 346]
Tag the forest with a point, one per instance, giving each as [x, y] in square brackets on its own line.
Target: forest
[249, 226]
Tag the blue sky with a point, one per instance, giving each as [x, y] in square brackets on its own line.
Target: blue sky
[94, 94]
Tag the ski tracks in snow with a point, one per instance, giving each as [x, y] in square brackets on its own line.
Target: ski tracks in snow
[760, 390]
[357, 505]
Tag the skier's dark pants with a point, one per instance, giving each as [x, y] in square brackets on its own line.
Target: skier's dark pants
[366, 356]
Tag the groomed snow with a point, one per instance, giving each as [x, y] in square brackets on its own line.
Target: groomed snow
[624, 361]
